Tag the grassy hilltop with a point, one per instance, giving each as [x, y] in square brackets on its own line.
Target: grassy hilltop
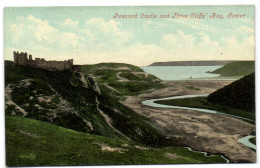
[238, 95]
[120, 80]
[68, 118]
[237, 68]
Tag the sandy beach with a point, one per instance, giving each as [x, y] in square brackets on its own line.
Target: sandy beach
[212, 133]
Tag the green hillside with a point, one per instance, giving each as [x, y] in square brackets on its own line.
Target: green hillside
[238, 95]
[238, 68]
[120, 80]
[76, 118]
[75, 101]
[34, 143]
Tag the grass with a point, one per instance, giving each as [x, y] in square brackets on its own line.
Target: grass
[238, 68]
[133, 88]
[67, 140]
[27, 97]
[240, 94]
[34, 143]
[202, 102]
[89, 68]
[253, 140]
[190, 87]
[67, 86]
[136, 82]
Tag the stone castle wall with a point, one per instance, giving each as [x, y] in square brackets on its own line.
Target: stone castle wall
[21, 59]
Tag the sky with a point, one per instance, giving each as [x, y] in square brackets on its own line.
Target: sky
[91, 35]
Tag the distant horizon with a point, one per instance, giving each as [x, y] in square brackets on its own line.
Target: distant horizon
[144, 65]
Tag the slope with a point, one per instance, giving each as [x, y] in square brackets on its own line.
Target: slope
[75, 101]
[238, 95]
[120, 80]
[34, 143]
[238, 68]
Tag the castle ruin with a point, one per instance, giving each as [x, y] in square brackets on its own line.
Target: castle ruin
[21, 59]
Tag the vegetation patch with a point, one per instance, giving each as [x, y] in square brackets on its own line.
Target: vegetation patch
[238, 68]
[120, 80]
[59, 97]
[63, 123]
[58, 146]
[237, 98]
[202, 102]
[253, 140]
[237, 95]
[190, 87]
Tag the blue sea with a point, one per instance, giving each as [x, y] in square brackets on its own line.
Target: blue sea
[180, 72]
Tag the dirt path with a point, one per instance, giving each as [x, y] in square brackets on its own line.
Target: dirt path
[120, 78]
[141, 73]
[9, 100]
[65, 107]
[83, 80]
[212, 133]
[109, 120]
[111, 88]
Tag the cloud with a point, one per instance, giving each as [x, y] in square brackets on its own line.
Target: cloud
[108, 30]
[101, 24]
[69, 23]
[30, 30]
[240, 49]
[67, 39]
[136, 54]
[184, 46]
[40, 28]
[13, 32]
[178, 40]
[100, 40]
[195, 24]
[245, 29]
[152, 26]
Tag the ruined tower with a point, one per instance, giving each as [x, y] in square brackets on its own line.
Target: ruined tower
[20, 58]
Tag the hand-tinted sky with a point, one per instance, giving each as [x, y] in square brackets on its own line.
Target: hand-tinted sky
[91, 35]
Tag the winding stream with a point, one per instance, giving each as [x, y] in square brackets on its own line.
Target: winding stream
[206, 154]
[152, 103]
[244, 140]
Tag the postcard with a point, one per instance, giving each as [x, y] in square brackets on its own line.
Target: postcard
[129, 85]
